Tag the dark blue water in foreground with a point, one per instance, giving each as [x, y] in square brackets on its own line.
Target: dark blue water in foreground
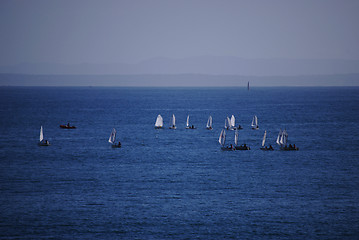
[178, 184]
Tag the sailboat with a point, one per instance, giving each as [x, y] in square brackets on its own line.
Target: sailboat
[112, 139]
[241, 147]
[159, 122]
[173, 122]
[43, 142]
[187, 124]
[222, 141]
[264, 141]
[233, 123]
[209, 123]
[255, 123]
[282, 141]
[227, 123]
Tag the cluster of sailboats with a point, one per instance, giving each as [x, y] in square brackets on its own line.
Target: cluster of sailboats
[230, 124]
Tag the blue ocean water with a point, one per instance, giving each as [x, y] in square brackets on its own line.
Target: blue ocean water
[178, 184]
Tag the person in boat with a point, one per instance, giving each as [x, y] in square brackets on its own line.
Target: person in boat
[270, 147]
[239, 126]
[294, 146]
[119, 144]
[192, 127]
[290, 146]
[68, 124]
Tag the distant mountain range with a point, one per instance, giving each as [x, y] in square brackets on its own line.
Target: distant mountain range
[208, 65]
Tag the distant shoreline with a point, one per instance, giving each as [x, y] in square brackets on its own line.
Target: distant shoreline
[177, 80]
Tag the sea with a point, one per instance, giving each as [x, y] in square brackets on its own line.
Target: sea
[178, 184]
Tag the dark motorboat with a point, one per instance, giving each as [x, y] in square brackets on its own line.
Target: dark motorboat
[67, 126]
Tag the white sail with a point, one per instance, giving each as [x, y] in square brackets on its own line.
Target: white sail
[159, 121]
[41, 134]
[255, 122]
[283, 138]
[209, 122]
[173, 120]
[227, 123]
[233, 121]
[112, 136]
[187, 123]
[236, 138]
[264, 138]
[222, 137]
[279, 135]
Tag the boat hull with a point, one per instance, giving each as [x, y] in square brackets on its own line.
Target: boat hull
[267, 149]
[158, 127]
[116, 146]
[42, 144]
[227, 149]
[242, 148]
[67, 127]
[289, 149]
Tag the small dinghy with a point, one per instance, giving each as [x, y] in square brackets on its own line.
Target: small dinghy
[67, 126]
[255, 123]
[173, 122]
[188, 126]
[112, 139]
[241, 147]
[282, 142]
[159, 122]
[209, 123]
[270, 148]
[43, 142]
[222, 141]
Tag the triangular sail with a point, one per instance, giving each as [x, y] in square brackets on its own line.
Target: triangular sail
[159, 121]
[236, 138]
[255, 122]
[279, 135]
[233, 121]
[283, 138]
[209, 122]
[264, 138]
[187, 123]
[112, 136]
[41, 134]
[173, 120]
[222, 137]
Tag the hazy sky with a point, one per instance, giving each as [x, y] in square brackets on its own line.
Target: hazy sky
[86, 31]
